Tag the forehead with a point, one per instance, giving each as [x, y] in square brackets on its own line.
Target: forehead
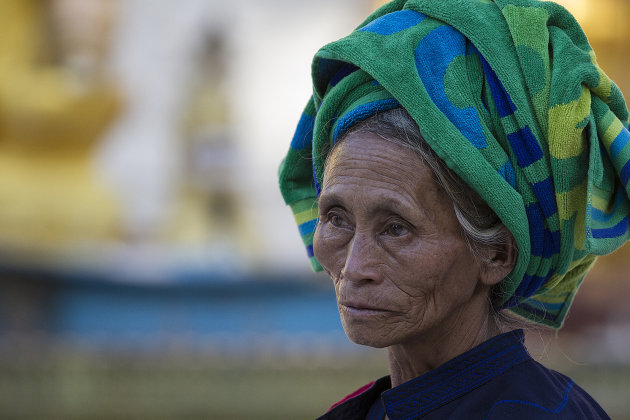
[370, 155]
[368, 168]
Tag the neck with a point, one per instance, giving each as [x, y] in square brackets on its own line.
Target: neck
[411, 359]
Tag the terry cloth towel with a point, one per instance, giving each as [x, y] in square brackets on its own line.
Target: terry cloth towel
[509, 94]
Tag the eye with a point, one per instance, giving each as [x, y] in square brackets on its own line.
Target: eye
[335, 220]
[396, 229]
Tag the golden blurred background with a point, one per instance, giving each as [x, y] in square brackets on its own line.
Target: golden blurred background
[148, 267]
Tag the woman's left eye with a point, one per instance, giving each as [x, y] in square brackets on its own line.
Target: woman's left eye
[335, 220]
[396, 229]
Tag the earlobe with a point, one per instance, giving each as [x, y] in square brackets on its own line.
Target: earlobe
[499, 260]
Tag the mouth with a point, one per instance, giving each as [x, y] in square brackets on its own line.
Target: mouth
[360, 310]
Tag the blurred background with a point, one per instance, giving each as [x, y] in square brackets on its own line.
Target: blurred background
[148, 266]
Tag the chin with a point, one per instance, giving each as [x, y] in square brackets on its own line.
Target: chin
[366, 338]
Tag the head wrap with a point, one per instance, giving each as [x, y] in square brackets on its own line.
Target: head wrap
[509, 94]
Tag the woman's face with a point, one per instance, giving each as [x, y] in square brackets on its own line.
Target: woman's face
[389, 238]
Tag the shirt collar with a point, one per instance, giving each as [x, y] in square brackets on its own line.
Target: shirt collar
[357, 406]
[456, 377]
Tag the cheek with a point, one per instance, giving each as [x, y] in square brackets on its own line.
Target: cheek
[454, 275]
[329, 247]
[427, 269]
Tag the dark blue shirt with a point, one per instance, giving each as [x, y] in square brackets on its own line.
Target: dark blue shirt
[495, 380]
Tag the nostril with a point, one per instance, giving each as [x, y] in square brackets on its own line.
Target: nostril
[359, 271]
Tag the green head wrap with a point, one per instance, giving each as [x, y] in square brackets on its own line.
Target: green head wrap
[509, 94]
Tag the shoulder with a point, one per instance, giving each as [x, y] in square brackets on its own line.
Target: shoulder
[353, 394]
[530, 390]
[357, 404]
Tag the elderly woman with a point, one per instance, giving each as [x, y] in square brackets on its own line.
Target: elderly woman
[460, 159]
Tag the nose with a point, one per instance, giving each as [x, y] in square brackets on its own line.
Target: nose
[361, 264]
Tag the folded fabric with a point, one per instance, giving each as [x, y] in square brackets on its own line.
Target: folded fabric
[509, 94]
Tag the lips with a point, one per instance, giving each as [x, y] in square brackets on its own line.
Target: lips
[361, 309]
[360, 306]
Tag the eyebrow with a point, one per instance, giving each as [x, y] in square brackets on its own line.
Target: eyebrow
[385, 206]
[395, 207]
[329, 200]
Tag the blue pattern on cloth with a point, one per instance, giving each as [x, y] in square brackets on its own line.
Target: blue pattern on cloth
[433, 56]
[360, 113]
[303, 136]
[394, 22]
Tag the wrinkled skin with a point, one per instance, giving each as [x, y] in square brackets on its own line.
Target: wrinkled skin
[403, 273]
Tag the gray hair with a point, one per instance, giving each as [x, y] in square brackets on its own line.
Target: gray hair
[481, 227]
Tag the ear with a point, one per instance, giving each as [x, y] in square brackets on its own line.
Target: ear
[498, 261]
